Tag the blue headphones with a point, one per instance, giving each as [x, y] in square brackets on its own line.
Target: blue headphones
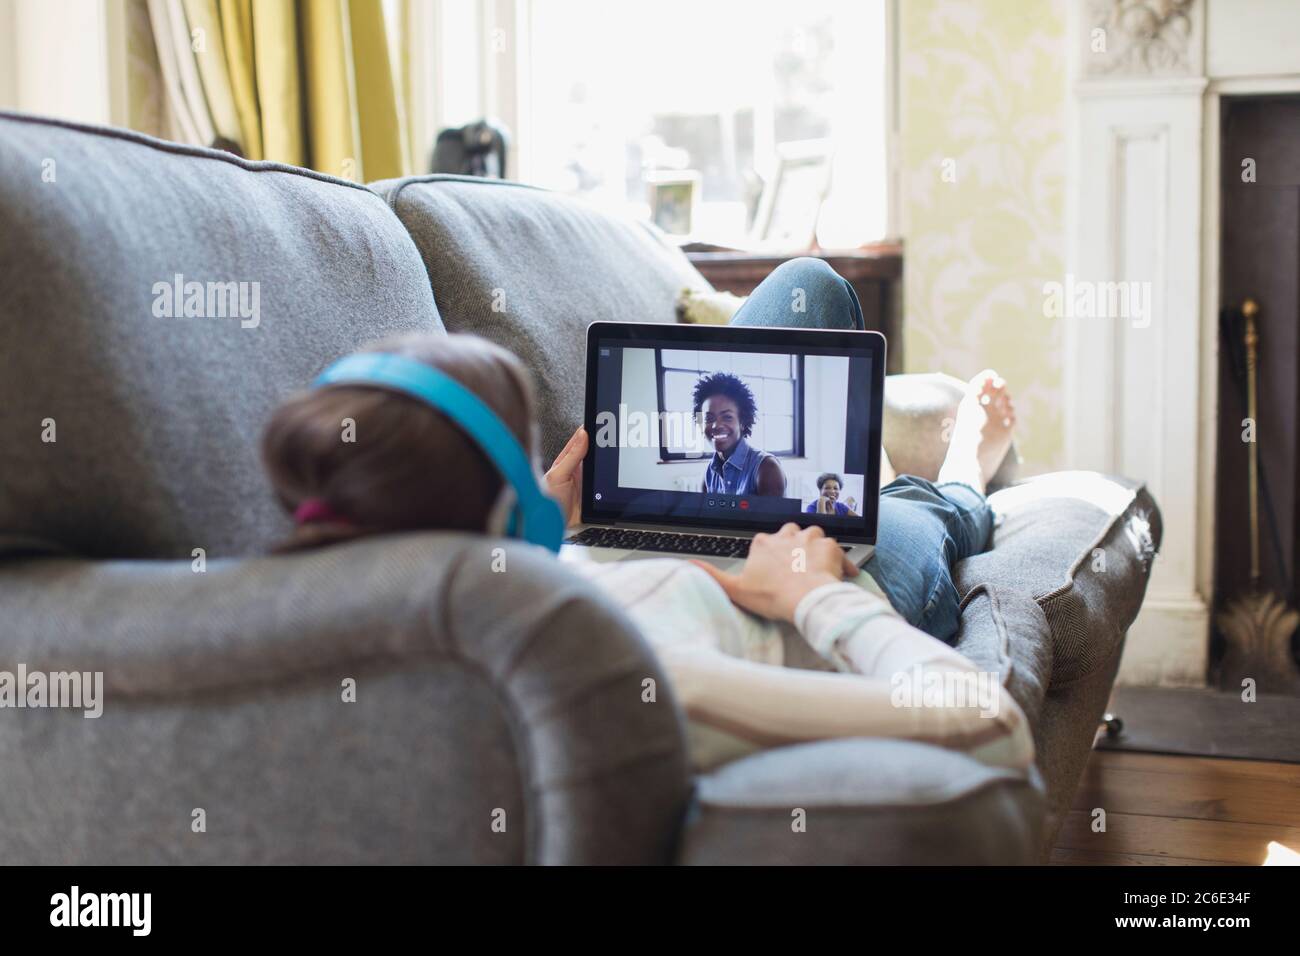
[537, 519]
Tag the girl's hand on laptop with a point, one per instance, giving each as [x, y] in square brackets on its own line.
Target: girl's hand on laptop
[564, 480]
[781, 569]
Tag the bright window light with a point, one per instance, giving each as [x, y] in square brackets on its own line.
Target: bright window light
[622, 95]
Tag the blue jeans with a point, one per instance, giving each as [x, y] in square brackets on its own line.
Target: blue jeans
[924, 529]
[804, 294]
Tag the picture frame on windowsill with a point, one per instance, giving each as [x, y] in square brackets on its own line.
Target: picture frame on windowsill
[674, 197]
[791, 202]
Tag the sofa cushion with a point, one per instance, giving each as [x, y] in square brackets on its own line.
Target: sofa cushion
[1080, 544]
[531, 269]
[864, 801]
[155, 416]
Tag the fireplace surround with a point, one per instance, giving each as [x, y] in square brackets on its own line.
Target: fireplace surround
[1150, 83]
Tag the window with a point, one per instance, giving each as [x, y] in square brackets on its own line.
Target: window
[774, 380]
[714, 94]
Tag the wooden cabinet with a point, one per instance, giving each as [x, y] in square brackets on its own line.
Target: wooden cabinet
[875, 272]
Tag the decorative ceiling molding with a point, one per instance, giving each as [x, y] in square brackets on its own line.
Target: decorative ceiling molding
[1143, 38]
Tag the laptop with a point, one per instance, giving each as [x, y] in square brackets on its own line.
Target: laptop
[702, 436]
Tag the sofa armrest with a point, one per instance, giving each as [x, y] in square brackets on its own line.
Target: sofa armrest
[476, 692]
[864, 801]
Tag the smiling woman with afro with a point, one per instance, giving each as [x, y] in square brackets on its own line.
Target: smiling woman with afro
[727, 411]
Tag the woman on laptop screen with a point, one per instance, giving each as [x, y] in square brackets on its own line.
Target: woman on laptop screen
[727, 411]
[828, 497]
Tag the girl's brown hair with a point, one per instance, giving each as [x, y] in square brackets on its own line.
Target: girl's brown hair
[407, 466]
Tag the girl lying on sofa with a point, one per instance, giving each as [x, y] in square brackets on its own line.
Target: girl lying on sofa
[719, 636]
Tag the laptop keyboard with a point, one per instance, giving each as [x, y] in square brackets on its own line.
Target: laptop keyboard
[713, 545]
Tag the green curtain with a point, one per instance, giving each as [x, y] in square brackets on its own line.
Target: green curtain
[333, 133]
[383, 145]
[275, 77]
[237, 34]
[304, 82]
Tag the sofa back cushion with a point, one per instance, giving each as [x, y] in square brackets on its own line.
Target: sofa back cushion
[531, 269]
[158, 302]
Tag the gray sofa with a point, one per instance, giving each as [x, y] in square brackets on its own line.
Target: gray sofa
[497, 718]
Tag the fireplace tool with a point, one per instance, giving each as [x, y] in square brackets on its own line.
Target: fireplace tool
[1256, 625]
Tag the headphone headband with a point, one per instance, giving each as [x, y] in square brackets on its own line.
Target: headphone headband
[538, 519]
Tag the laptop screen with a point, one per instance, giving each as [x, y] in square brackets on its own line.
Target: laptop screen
[744, 429]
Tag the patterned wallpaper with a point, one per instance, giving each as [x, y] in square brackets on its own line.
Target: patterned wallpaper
[982, 121]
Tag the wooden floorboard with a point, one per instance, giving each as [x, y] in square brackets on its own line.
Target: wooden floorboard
[1164, 810]
[1205, 794]
[1190, 766]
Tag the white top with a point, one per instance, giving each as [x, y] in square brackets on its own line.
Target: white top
[726, 666]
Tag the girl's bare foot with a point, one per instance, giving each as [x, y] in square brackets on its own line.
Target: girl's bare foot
[981, 434]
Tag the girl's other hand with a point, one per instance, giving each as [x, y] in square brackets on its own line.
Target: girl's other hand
[564, 480]
[781, 569]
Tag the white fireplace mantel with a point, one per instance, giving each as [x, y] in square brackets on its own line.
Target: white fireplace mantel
[1143, 205]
